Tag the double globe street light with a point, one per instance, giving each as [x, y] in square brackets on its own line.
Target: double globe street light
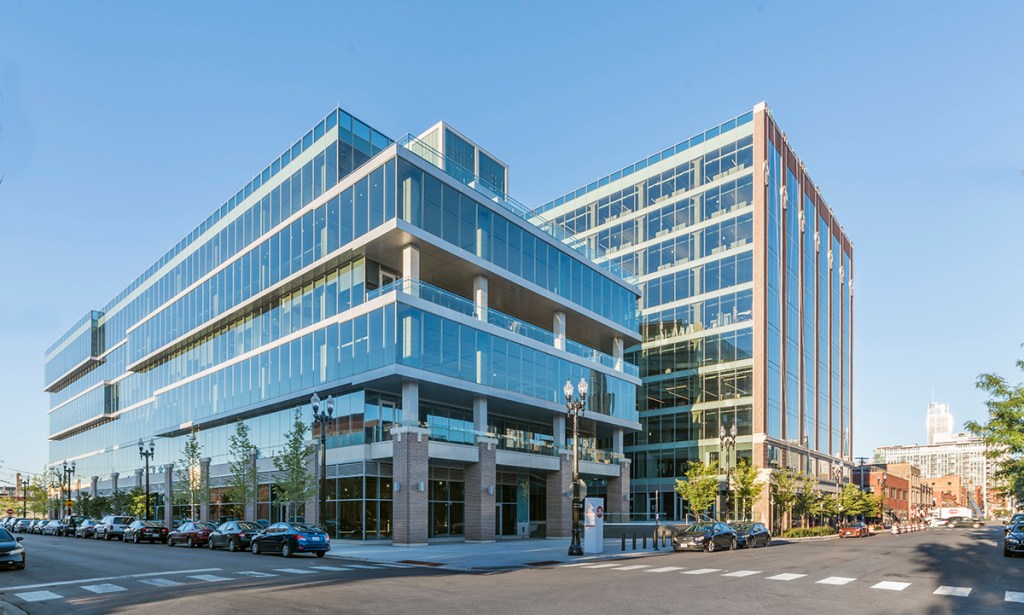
[147, 455]
[726, 444]
[321, 419]
[575, 408]
[69, 471]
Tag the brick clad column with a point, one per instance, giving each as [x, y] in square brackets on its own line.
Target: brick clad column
[169, 496]
[618, 490]
[113, 481]
[480, 488]
[411, 460]
[559, 500]
[94, 486]
[204, 485]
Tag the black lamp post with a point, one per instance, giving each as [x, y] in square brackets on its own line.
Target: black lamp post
[24, 497]
[575, 408]
[321, 419]
[69, 471]
[881, 483]
[837, 476]
[726, 444]
[147, 455]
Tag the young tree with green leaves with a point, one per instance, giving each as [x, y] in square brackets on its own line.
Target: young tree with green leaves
[783, 487]
[807, 497]
[700, 487]
[190, 488]
[294, 483]
[747, 488]
[243, 481]
[1003, 432]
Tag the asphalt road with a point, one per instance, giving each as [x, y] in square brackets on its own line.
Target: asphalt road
[934, 572]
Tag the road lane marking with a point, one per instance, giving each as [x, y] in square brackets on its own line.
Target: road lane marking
[1014, 597]
[160, 582]
[38, 596]
[210, 578]
[948, 590]
[891, 585]
[741, 573]
[331, 568]
[103, 588]
[393, 565]
[93, 580]
[604, 566]
[633, 567]
[836, 581]
[294, 570]
[364, 567]
[665, 569]
[786, 576]
[254, 573]
[702, 571]
[576, 564]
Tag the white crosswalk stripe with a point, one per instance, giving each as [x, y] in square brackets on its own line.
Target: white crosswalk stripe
[574, 565]
[948, 590]
[294, 570]
[38, 596]
[103, 588]
[393, 565]
[364, 567]
[331, 568]
[603, 566]
[895, 586]
[210, 578]
[836, 581]
[160, 582]
[786, 576]
[1014, 597]
[633, 567]
[257, 574]
[702, 571]
[741, 573]
[665, 569]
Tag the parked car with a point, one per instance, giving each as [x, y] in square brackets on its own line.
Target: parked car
[235, 535]
[751, 535]
[86, 528]
[291, 538]
[704, 537]
[23, 525]
[855, 530]
[1013, 540]
[52, 528]
[954, 522]
[192, 534]
[71, 523]
[146, 531]
[37, 526]
[263, 523]
[12, 552]
[112, 526]
[1014, 520]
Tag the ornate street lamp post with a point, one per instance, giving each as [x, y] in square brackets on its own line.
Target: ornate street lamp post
[147, 455]
[726, 444]
[24, 496]
[321, 419]
[881, 483]
[69, 471]
[837, 476]
[575, 408]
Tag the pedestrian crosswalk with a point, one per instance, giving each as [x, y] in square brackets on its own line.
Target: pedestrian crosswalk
[64, 590]
[951, 591]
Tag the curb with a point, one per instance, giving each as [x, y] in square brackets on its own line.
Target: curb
[6, 608]
[783, 541]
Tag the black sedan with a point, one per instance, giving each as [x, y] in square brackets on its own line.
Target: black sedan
[145, 531]
[704, 537]
[955, 522]
[234, 535]
[1013, 541]
[751, 535]
[291, 538]
[11, 551]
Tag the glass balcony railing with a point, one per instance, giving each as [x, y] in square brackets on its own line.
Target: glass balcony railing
[452, 301]
[492, 195]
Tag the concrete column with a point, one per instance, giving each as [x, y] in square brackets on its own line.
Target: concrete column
[618, 350]
[618, 491]
[558, 430]
[480, 414]
[113, 481]
[558, 328]
[617, 438]
[481, 479]
[169, 496]
[138, 479]
[312, 514]
[410, 402]
[94, 486]
[204, 485]
[480, 297]
[410, 484]
[559, 498]
[250, 506]
[411, 268]
[78, 488]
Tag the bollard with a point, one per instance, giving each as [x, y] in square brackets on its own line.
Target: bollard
[654, 539]
[634, 541]
[662, 541]
[623, 541]
[645, 541]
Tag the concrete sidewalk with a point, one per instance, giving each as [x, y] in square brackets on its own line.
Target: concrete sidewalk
[495, 555]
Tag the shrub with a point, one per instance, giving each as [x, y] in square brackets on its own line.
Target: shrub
[806, 532]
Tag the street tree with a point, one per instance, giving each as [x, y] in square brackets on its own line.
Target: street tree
[243, 479]
[39, 495]
[190, 488]
[807, 497]
[1003, 431]
[748, 489]
[783, 487]
[700, 487]
[294, 482]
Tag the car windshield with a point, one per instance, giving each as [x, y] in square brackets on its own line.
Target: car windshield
[302, 527]
[742, 527]
[153, 524]
[206, 525]
[122, 520]
[697, 527]
[247, 525]
[5, 536]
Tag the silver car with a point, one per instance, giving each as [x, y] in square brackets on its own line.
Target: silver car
[112, 526]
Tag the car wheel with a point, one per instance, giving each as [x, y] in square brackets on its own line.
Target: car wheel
[1006, 552]
[255, 548]
[170, 543]
[190, 543]
[320, 554]
[767, 541]
[106, 536]
[232, 546]
[710, 548]
[733, 545]
[286, 550]
[209, 544]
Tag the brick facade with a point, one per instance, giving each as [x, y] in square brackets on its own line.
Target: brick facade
[480, 488]
[618, 490]
[410, 507]
[559, 498]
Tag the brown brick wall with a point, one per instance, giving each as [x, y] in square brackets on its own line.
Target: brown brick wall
[411, 463]
[481, 477]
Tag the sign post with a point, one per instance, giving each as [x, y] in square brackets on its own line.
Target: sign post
[593, 526]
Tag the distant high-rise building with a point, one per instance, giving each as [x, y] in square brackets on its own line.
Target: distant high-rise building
[940, 423]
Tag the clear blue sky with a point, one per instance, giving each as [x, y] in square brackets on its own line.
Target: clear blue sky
[122, 125]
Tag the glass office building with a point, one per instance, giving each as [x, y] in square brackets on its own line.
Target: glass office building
[399, 278]
[746, 311]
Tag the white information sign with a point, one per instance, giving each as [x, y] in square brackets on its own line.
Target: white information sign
[593, 526]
